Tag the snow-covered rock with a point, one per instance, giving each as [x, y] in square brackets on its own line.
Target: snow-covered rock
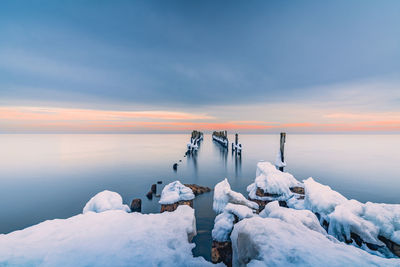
[174, 192]
[109, 238]
[106, 200]
[273, 242]
[223, 194]
[369, 221]
[321, 198]
[271, 181]
[223, 225]
[296, 217]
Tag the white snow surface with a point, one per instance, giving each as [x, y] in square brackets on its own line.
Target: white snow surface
[272, 181]
[321, 198]
[223, 194]
[174, 192]
[105, 200]
[278, 161]
[240, 211]
[110, 238]
[367, 220]
[223, 225]
[274, 242]
[292, 216]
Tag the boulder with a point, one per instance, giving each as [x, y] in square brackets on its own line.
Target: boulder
[136, 205]
[221, 252]
[149, 195]
[154, 188]
[197, 189]
[174, 206]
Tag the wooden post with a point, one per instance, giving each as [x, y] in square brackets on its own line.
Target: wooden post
[282, 148]
[236, 139]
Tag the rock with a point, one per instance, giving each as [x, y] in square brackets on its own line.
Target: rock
[175, 166]
[136, 205]
[263, 203]
[149, 195]
[298, 190]
[159, 182]
[197, 189]
[221, 252]
[154, 188]
[260, 192]
[174, 206]
[180, 160]
[392, 246]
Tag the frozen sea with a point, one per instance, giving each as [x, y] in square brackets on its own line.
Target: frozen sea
[52, 176]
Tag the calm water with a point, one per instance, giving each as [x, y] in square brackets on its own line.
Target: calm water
[52, 176]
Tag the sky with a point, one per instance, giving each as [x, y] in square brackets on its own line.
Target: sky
[174, 66]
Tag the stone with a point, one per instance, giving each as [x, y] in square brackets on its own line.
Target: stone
[149, 195]
[154, 188]
[297, 190]
[136, 205]
[221, 252]
[159, 182]
[174, 206]
[175, 166]
[260, 192]
[197, 189]
[392, 246]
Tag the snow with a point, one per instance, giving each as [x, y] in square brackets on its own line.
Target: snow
[224, 195]
[239, 210]
[292, 216]
[223, 225]
[174, 192]
[104, 201]
[367, 220]
[279, 162]
[321, 198]
[110, 238]
[221, 140]
[275, 242]
[272, 181]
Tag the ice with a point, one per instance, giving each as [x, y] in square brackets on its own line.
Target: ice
[292, 216]
[274, 242]
[278, 161]
[223, 225]
[321, 198]
[110, 238]
[174, 192]
[366, 220]
[239, 210]
[272, 181]
[224, 195]
[105, 200]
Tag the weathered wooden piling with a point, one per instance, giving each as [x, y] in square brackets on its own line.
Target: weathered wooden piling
[221, 137]
[136, 205]
[195, 138]
[282, 149]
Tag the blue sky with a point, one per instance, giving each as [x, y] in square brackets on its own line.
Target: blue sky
[279, 62]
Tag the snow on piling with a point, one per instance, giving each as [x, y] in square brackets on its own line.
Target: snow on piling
[280, 159]
[221, 138]
[237, 147]
[195, 139]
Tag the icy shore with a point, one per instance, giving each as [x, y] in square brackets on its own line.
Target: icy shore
[105, 235]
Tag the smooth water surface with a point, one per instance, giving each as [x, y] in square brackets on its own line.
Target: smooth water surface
[52, 176]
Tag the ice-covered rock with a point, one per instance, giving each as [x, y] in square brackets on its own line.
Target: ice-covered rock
[272, 182]
[369, 221]
[321, 198]
[223, 225]
[106, 200]
[223, 194]
[174, 192]
[240, 211]
[273, 242]
[110, 238]
[292, 216]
